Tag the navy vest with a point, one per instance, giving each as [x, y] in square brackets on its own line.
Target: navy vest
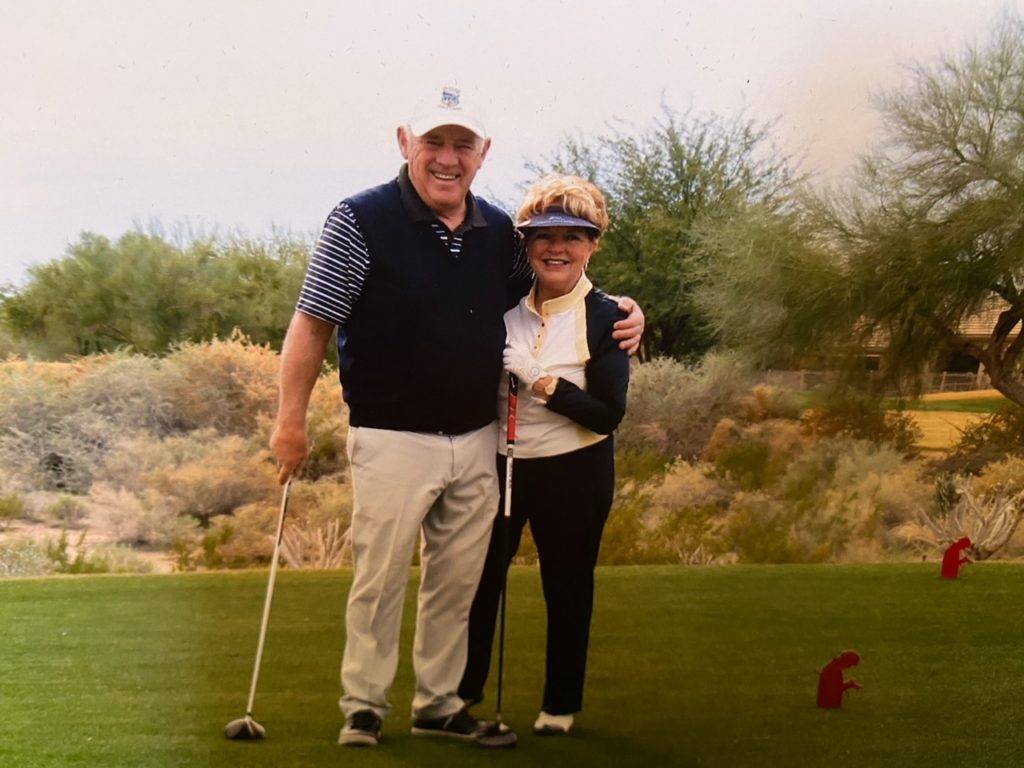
[421, 350]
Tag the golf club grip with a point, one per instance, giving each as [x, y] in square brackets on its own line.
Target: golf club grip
[269, 597]
[510, 442]
[513, 404]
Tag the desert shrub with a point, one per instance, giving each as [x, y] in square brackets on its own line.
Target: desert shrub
[1004, 475]
[639, 466]
[995, 437]
[866, 488]
[673, 408]
[76, 558]
[861, 417]
[61, 456]
[218, 486]
[765, 402]
[877, 490]
[327, 424]
[680, 515]
[623, 538]
[114, 558]
[321, 502]
[224, 385]
[246, 538]
[67, 511]
[837, 500]
[748, 464]
[202, 474]
[130, 390]
[760, 530]
[12, 507]
[242, 540]
[756, 455]
[141, 521]
[33, 395]
[24, 557]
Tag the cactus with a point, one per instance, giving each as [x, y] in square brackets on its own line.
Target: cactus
[988, 521]
[321, 547]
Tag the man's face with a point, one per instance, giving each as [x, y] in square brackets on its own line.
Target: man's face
[442, 164]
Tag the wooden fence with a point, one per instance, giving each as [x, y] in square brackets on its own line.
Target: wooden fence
[936, 382]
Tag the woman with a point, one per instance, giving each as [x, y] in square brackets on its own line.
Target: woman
[573, 379]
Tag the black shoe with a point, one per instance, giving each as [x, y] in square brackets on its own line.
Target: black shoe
[362, 729]
[461, 725]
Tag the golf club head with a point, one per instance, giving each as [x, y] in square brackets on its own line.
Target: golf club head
[244, 729]
[496, 736]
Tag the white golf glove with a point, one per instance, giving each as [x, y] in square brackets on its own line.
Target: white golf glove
[519, 360]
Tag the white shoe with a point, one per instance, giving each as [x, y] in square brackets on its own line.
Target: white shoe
[552, 724]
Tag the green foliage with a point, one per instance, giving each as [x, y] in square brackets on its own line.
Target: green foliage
[67, 511]
[859, 416]
[639, 466]
[12, 507]
[77, 559]
[666, 186]
[143, 293]
[750, 465]
[762, 532]
[674, 407]
[24, 557]
[927, 235]
[993, 438]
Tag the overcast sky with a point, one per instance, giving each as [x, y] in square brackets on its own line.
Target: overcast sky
[250, 116]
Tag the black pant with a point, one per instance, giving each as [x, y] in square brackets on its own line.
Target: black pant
[566, 500]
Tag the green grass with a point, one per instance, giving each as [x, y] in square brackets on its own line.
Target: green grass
[689, 667]
[967, 405]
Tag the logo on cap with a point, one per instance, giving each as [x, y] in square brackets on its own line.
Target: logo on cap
[450, 98]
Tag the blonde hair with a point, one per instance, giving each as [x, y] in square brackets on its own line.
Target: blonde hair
[572, 194]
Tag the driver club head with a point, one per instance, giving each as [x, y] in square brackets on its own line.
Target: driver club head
[496, 736]
[244, 729]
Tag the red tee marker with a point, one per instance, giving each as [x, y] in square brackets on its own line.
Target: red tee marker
[831, 685]
[951, 560]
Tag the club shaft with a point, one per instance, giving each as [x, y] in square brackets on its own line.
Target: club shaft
[268, 599]
[503, 533]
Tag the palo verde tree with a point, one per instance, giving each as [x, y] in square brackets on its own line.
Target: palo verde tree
[144, 293]
[666, 185]
[928, 233]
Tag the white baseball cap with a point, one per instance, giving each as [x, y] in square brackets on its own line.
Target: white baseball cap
[446, 107]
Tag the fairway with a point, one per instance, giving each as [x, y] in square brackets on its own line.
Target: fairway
[689, 667]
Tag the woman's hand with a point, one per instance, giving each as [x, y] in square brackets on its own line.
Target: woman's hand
[519, 360]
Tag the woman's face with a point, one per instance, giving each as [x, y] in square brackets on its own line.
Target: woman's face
[558, 256]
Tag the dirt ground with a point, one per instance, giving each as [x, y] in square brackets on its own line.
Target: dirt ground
[95, 536]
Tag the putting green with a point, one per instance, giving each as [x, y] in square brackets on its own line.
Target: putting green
[689, 667]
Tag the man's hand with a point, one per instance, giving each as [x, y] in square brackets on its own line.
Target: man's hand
[302, 355]
[290, 447]
[519, 360]
[631, 329]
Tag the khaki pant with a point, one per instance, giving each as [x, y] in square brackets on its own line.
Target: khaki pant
[404, 483]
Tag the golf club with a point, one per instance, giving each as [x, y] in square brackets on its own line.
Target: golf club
[246, 728]
[497, 735]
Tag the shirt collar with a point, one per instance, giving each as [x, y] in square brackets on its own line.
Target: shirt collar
[420, 211]
[562, 303]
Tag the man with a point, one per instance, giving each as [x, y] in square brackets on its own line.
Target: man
[416, 275]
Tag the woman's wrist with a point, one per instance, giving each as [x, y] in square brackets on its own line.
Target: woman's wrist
[542, 387]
